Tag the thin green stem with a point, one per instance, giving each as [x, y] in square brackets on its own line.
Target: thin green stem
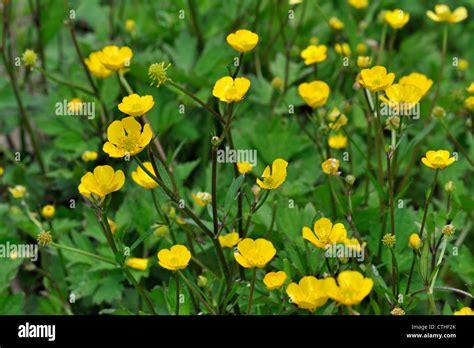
[82, 252]
[252, 288]
[176, 312]
[427, 202]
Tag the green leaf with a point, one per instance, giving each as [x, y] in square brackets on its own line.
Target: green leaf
[232, 193]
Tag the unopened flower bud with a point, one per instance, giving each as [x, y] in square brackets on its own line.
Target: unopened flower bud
[201, 281]
[350, 179]
[439, 112]
[449, 187]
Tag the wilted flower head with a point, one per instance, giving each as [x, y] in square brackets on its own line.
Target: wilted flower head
[397, 311]
[18, 191]
[157, 73]
[336, 119]
[331, 166]
[202, 198]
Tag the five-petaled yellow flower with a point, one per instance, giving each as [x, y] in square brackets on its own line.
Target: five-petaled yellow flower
[376, 79]
[337, 141]
[48, 211]
[242, 40]
[202, 198]
[18, 191]
[325, 233]
[418, 80]
[415, 241]
[101, 182]
[402, 98]
[175, 258]
[137, 263]
[335, 23]
[464, 311]
[331, 166]
[314, 54]
[309, 293]
[352, 289]
[438, 159]
[397, 18]
[126, 137]
[115, 58]
[358, 4]
[134, 105]
[229, 240]
[254, 253]
[274, 280]
[442, 13]
[244, 167]
[231, 90]
[96, 67]
[142, 178]
[314, 93]
[274, 177]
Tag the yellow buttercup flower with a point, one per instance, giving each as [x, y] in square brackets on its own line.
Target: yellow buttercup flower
[469, 103]
[315, 93]
[314, 54]
[88, 156]
[418, 80]
[130, 25]
[273, 178]
[336, 119]
[352, 288]
[231, 90]
[115, 58]
[229, 240]
[175, 258]
[309, 293]
[353, 243]
[331, 166]
[134, 105]
[202, 198]
[242, 40]
[438, 159]
[402, 98]
[470, 89]
[142, 178]
[325, 233]
[48, 211]
[75, 105]
[137, 263]
[274, 280]
[343, 48]
[126, 137]
[358, 4]
[244, 167]
[414, 241]
[337, 141]
[397, 18]
[376, 79]
[463, 64]
[464, 311]
[335, 23]
[364, 61]
[442, 13]
[96, 67]
[254, 253]
[101, 182]
[18, 191]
